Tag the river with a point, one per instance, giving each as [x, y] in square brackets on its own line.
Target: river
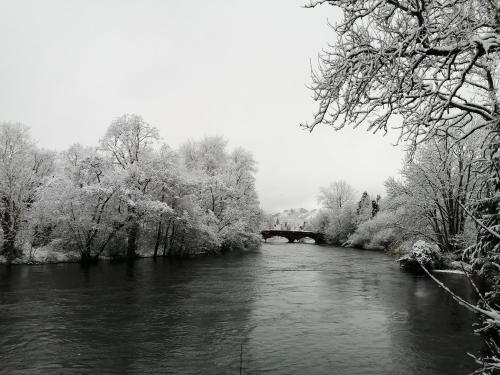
[286, 309]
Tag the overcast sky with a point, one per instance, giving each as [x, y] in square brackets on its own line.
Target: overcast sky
[235, 68]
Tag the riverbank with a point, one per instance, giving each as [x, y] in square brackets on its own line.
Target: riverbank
[43, 256]
[428, 255]
[404, 254]
[55, 254]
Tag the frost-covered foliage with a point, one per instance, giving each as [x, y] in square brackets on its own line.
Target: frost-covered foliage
[129, 196]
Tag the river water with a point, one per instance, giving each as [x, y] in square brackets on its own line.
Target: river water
[285, 309]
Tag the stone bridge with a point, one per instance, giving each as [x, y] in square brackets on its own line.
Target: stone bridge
[293, 235]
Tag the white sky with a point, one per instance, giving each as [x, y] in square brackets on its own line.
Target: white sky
[235, 68]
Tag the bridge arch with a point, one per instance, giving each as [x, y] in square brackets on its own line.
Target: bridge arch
[293, 235]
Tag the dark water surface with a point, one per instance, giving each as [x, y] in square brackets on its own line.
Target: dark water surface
[296, 308]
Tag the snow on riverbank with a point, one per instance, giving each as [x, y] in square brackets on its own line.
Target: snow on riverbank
[458, 272]
[44, 255]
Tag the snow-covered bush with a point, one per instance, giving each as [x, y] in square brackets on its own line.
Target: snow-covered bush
[51, 254]
[422, 253]
[378, 232]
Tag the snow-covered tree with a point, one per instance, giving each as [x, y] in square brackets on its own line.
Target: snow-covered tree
[128, 142]
[128, 138]
[337, 195]
[376, 206]
[22, 170]
[79, 202]
[426, 203]
[442, 178]
[226, 186]
[337, 219]
[364, 208]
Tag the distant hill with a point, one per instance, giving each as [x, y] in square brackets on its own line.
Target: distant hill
[291, 219]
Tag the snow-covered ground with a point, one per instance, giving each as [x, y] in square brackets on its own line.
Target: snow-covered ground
[44, 255]
[459, 272]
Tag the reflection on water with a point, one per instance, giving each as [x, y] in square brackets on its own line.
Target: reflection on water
[296, 308]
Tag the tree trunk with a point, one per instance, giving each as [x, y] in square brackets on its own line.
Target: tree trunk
[183, 243]
[9, 243]
[86, 257]
[133, 234]
[165, 239]
[158, 237]
[9, 229]
[172, 236]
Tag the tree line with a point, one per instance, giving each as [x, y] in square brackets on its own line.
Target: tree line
[426, 201]
[130, 195]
